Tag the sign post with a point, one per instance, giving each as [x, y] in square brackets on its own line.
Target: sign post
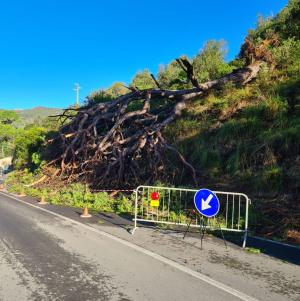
[207, 205]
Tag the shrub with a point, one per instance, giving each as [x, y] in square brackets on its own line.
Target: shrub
[28, 143]
[209, 64]
[102, 202]
[16, 180]
[123, 205]
[75, 195]
[287, 54]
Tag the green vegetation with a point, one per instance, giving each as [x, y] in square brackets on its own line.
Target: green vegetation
[286, 24]
[253, 250]
[38, 115]
[28, 145]
[142, 80]
[22, 133]
[247, 138]
[7, 132]
[8, 117]
[116, 90]
[210, 63]
[74, 195]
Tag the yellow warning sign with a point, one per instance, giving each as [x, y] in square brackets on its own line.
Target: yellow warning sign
[154, 203]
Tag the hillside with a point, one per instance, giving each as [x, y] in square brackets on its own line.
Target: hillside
[243, 138]
[201, 121]
[38, 113]
[16, 125]
[247, 138]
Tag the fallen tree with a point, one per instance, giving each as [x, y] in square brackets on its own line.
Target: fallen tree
[120, 143]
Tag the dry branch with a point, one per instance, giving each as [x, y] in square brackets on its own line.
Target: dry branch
[120, 143]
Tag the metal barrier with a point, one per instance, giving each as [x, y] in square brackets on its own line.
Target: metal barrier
[175, 203]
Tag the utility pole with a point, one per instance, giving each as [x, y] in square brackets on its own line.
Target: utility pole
[77, 88]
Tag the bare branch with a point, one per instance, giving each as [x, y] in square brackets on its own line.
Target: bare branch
[120, 143]
[156, 82]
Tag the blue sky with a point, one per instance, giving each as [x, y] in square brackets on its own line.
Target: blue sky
[48, 45]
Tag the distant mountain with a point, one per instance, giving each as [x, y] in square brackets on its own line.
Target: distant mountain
[37, 113]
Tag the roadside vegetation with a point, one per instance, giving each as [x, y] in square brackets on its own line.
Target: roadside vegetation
[239, 137]
[75, 195]
[22, 132]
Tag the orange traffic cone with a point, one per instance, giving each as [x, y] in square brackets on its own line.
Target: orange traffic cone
[42, 201]
[85, 213]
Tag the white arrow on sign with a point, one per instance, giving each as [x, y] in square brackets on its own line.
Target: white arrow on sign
[205, 203]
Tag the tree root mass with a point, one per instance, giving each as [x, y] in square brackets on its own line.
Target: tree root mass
[120, 143]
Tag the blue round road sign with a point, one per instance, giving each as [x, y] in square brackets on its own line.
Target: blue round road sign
[206, 202]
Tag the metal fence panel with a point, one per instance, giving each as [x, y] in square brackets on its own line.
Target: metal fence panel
[176, 203]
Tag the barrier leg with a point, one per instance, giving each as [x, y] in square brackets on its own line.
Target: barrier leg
[187, 229]
[202, 230]
[189, 224]
[135, 212]
[245, 239]
[222, 233]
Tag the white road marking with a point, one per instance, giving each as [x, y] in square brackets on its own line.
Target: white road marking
[205, 203]
[160, 258]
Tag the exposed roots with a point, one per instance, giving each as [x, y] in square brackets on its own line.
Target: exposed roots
[120, 143]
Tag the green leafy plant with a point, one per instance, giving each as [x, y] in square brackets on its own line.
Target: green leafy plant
[253, 250]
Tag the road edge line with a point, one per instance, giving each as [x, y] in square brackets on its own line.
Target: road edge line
[158, 257]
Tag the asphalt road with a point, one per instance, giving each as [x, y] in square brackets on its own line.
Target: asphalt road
[46, 257]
